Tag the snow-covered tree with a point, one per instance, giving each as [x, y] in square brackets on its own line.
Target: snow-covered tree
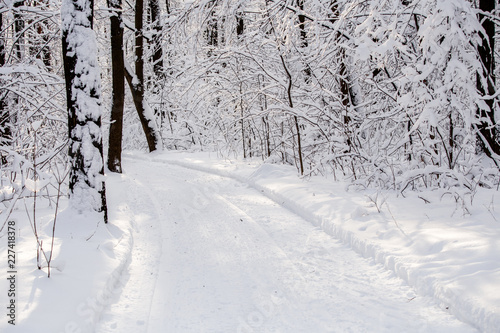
[384, 93]
[137, 83]
[83, 89]
[486, 83]
[33, 119]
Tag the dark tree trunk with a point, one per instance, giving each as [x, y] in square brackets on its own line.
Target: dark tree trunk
[155, 43]
[2, 42]
[295, 118]
[212, 31]
[345, 88]
[307, 74]
[343, 82]
[139, 44]
[40, 49]
[157, 56]
[486, 83]
[152, 136]
[118, 67]
[18, 30]
[303, 38]
[86, 184]
[137, 85]
[5, 131]
[18, 46]
[302, 23]
[240, 24]
[239, 33]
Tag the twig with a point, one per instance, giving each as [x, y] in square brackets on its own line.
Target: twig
[396, 222]
[490, 208]
[425, 200]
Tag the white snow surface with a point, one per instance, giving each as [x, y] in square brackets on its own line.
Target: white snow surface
[197, 243]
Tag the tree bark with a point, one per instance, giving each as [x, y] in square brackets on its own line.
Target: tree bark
[118, 70]
[86, 183]
[303, 38]
[5, 131]
[486, 83]
[345, 88]
[145, 115]
[295, 118]
[302, 24]
[344, 85]
[18, 30]
[2, 42]
[157, 56]
[136, 83]
[139, 44]
[212, 30]
[40, 48]
[240, 24]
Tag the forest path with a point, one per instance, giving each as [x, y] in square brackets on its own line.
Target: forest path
[214, 255]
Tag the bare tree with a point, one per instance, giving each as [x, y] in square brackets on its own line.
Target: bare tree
[136, 83]
[118, 68]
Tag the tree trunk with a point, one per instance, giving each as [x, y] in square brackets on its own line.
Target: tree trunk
[212, 30]
[2, 42]
[145, 114]
[345, 89]
[5, 131]
[86, 183]
[40, 48]
[157, 56]
[295, 118]
[239, 33]
[303, 38]
[343, 82]
[18, 29]
[139, 44]
[118, 67]
[136, 84]
[302, 25]
[240, 24]
[486, 83]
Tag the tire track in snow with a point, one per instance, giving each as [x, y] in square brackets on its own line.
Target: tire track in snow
[129, 311]
[235, 261]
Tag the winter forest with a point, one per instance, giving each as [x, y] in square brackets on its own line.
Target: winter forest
[396, 95]
[391, 94]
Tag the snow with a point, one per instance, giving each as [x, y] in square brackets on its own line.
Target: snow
[196, 243]
[85, 135]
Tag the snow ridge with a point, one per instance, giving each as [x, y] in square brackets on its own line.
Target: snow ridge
[269, 180]
[110, 288]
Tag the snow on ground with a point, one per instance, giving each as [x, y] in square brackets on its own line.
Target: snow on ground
[233, 260]
[260, 250]
[443, 244]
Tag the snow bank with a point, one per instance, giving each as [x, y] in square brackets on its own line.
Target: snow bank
[442, 243]
[89, 258]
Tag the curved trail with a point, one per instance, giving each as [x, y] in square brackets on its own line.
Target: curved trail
[212, 255]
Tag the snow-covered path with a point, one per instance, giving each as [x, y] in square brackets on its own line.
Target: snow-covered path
[213, 255]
